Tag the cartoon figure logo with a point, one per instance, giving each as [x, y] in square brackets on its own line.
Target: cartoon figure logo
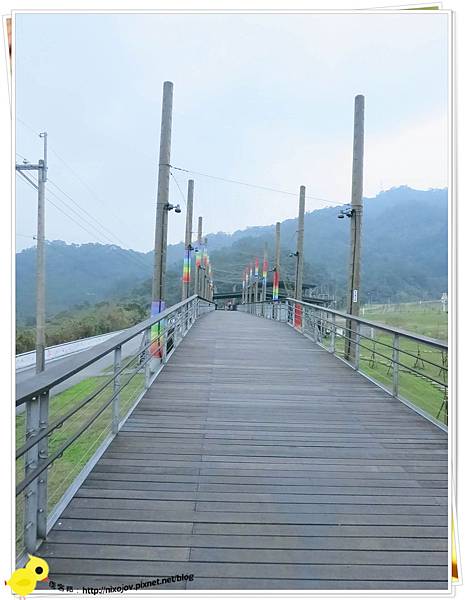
[24, 581]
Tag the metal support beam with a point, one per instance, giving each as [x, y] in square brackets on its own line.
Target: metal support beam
[116, 388]
[31, 463]
[42, 487]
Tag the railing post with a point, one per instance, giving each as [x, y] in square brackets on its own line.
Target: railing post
[332, 344]
[395, 366]
[31, 462]
[116, 389]
[147, 358]
[357, 346]
[315, 326]
[165, 342]
[191, 314]
[42, 479]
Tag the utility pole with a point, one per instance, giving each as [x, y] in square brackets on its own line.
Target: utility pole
[353, 288]
[198, 257]
[265, 272]
[256, 275]
[186, 274]
[299, 269]
[250, 283]
[41, 169]
[204, 278]
[161, 224]
[277, 259]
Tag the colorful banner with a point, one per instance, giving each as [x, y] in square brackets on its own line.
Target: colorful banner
[265, 276]
[156, 331]
[186, 271]
[275, 285]
[256, 268]
[298, 315]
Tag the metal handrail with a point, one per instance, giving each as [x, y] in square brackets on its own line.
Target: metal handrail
[59, 422]
[40, 383]
[366, 337]
[317, 320]
[383, 327]
[35, 393]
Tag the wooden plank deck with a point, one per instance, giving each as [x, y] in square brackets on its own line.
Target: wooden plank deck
[258, 460]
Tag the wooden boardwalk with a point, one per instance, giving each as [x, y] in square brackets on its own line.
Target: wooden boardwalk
[258, 460]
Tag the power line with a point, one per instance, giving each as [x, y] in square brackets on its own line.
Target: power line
[86, 212]
[21, 156]
[179, 188]
[135, 259]
[76, 175]
[252, 185]
[103, 228]
[27, 125]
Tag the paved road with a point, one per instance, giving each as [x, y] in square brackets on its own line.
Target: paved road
[130, 348]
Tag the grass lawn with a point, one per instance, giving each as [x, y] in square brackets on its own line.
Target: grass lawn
[424, 319]
[66, 468]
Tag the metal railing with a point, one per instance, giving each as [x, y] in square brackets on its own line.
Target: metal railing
[413, 368]
[84, 400]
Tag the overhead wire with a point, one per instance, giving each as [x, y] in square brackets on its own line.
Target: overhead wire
[75, 174]
[133, 258]
[179, 188]
[253, 185]
[100, 228]
[86, 212]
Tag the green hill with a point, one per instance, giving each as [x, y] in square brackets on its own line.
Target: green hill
[404, 257]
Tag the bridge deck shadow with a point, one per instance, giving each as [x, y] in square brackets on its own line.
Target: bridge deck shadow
[258, 460]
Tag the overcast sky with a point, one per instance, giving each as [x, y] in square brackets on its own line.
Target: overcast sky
[265, 99]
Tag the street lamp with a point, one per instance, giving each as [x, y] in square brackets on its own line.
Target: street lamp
[346, 211]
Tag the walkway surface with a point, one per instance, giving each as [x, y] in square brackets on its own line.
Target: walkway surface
[258, 460]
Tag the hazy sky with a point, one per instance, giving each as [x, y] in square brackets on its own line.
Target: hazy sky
[265, 99]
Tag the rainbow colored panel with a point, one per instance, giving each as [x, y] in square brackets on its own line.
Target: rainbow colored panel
[275, 285]
[186, 270]
[156, 331]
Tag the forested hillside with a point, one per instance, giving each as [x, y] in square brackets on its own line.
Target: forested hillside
[404, 257]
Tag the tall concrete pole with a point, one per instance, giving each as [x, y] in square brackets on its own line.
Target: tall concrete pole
[198, 262]
[250, 282]
[277, 258]
[203, 272]
[161, 224]
[265, 272]
[353, 287]
[40, 281]
[186, 274]
[299, 272]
